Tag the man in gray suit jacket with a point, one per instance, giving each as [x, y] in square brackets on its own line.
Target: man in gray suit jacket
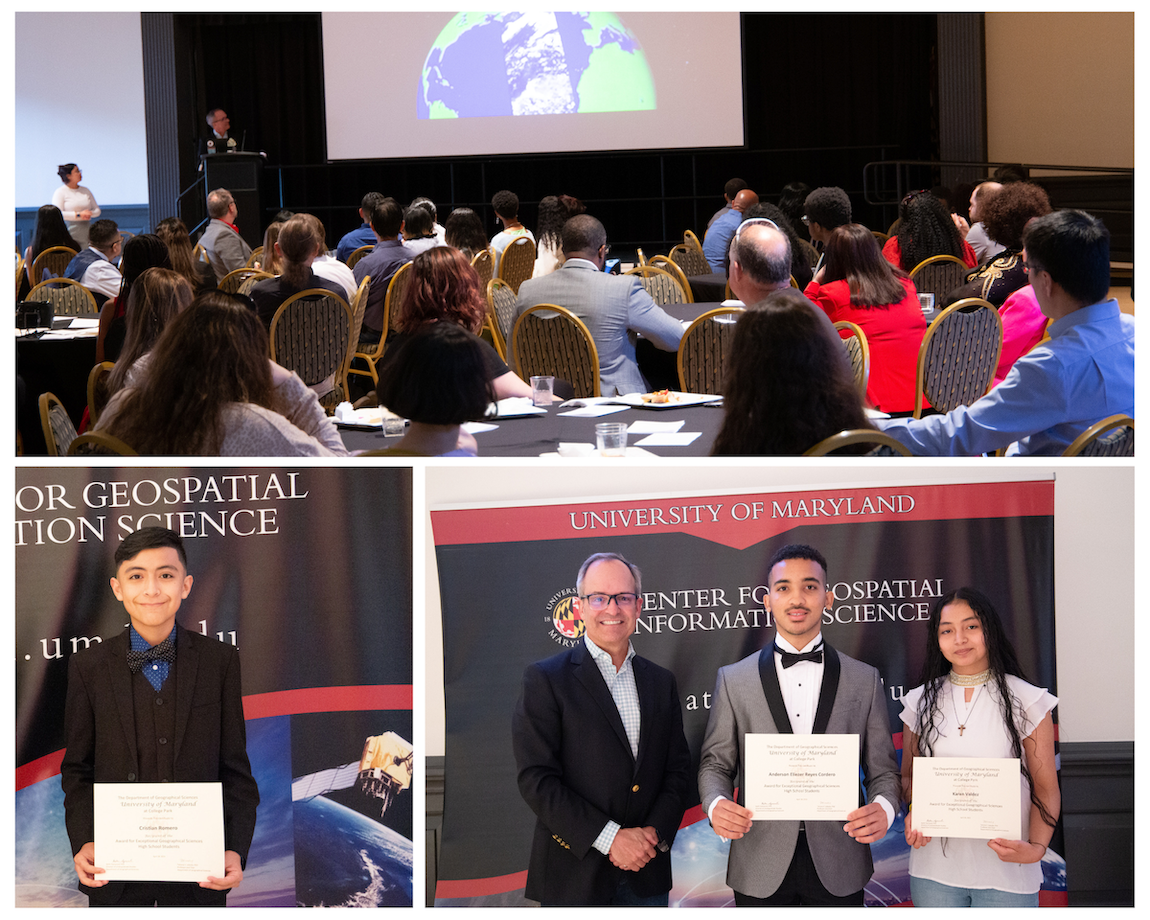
[226, 249]
[612, 306]
[798, 685]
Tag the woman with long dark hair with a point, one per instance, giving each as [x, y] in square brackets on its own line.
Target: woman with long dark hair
[925, 229]
[464, 231]
[210, 390]
[554, 212]
[156, 297]
[858, 285]
[442, 286]
[50, 231]
[787, 383]
[140, 253]
[974, 701]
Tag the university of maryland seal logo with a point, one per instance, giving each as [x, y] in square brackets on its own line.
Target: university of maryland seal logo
[566, 627]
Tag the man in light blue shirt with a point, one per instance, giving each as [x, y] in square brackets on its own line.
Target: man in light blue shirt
[718, 238]
[1084, 373]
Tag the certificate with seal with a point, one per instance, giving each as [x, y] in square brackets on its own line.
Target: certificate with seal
[801, 777]
[159, 832]
[979, 797]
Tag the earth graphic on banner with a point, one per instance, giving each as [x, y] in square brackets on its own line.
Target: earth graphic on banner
[485, 64]
[345, 859]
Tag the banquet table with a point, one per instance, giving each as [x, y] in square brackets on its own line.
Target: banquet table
[535, 436]
[59, 362]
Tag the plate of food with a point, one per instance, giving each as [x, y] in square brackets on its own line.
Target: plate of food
[667, 399]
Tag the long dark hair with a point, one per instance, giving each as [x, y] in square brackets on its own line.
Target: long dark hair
[853, 256]
[157, 296]
[141, 253]
[787, 382]
[925, 229]
[1003, 661]
[554, 212]
[464, 230]
[50, 231]
[210, 355]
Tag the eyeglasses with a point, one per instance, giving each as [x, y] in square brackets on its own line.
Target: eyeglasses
[624, 601]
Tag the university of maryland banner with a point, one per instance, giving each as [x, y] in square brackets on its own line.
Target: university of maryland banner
[308, 573]
[507, 576]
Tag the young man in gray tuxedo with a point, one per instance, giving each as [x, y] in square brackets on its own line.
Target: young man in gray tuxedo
[798, 684]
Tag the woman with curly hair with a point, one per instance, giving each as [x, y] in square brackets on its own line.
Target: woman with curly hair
[858, 285]
[1005, 216]
[209, 389]
[974, 701]
[554, 212]
[925, 229]
[442, 286]
[787, 383]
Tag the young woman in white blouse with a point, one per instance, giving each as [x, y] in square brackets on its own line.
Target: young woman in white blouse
[76, 203]
[975, 702]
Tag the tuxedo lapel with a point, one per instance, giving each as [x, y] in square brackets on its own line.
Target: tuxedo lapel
[769, 678]
[587, 673]
[829, 689]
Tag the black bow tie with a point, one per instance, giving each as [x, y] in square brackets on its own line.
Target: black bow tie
[165, 651]
[790, 658]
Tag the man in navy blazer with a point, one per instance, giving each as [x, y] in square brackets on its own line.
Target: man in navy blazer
[602, 759]
[798, 685]
[613, 307]
[156, 703]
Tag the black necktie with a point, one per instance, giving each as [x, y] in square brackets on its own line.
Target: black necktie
[790, 658]
[165, 651]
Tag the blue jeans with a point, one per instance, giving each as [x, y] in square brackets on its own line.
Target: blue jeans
[927, 893]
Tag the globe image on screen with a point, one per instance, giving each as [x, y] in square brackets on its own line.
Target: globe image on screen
[485, 64]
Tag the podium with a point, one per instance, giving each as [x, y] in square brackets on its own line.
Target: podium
[242, 175]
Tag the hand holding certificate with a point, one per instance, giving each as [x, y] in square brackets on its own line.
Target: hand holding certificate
[160, 832]
[967, 797]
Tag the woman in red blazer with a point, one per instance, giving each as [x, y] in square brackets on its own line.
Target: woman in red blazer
[857, 284]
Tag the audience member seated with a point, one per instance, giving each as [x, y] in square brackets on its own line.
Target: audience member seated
[824, 210]
[730, 190]
[1005, 216]
[156, 297]
[718, 239]
[140, 253]
[269, 260]
[1083, 374]
[330, 267]
[760, 260]
[210, 390]
[554, 212]
[975, 232]
[858, 285]
[225, 248]
[362, 235]
[199, 274]
[1023, 327]
[464, 231]
[787, 383]
[418, 230]
[95, 267]
[800, 266]
[50, 231]
[925, 230]
[444, 288]
[506, 207]
[612, 306]
[296, 247]
[437, 380]
[793, 203]
[381, 264]
[437, 228]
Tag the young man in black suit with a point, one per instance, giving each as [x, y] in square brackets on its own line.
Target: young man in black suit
[129, 718]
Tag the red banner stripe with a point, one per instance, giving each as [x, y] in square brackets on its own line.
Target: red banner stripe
[39, 769]
[327, 699]
[477, 887]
